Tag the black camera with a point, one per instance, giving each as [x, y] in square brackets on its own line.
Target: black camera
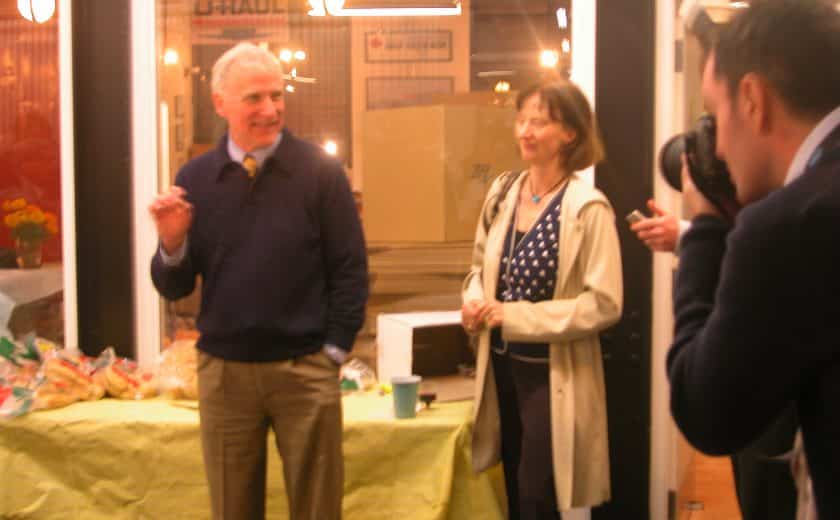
[708, 173]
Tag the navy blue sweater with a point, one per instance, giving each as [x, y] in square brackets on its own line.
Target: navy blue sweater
[757, 314]
[282, 259]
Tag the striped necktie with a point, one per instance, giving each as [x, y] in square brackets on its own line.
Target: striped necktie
[250, 165]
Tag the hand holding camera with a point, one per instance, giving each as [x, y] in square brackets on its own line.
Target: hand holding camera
[694, 201]
[692, 156]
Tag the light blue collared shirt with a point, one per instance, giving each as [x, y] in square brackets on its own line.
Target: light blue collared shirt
[810, 144]
[260, 154]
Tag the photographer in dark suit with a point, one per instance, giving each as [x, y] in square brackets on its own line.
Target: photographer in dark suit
[764, 483]
[757, 320]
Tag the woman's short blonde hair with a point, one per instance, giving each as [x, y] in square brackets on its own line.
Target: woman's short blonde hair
[568, 106]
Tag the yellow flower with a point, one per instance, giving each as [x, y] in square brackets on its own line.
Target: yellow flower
[24, 215]
[35, 214]
[29, 221]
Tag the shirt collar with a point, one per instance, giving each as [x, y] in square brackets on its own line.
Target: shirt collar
[260, 154]
[803, 156]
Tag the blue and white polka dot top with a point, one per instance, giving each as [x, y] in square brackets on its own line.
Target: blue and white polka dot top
[529, 273]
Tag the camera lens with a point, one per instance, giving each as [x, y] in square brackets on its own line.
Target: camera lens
[670, 161]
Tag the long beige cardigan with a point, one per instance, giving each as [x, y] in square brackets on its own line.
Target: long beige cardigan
[588, 298]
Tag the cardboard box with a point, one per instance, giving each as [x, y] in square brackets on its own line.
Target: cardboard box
[422, 343]
[427, 169]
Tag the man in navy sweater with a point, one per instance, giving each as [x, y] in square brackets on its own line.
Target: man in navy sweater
[756, 305]
[269, 224]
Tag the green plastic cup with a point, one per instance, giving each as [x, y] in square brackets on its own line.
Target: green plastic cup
[405, 390]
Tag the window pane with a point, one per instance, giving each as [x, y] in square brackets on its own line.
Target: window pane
[420, 110]
[30, 177]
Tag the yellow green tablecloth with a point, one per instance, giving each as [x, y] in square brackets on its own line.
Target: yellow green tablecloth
[114, 459]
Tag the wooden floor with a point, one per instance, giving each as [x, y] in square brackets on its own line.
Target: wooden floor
[708, 492]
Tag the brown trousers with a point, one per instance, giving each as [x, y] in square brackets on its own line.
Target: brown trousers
[301, 400]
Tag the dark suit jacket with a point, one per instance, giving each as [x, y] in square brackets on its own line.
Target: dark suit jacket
[757, 311]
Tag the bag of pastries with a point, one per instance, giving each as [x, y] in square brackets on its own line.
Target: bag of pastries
[123, 378]
[65, 377]
[177, 370]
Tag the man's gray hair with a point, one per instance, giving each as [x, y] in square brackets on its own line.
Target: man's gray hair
[245, 56]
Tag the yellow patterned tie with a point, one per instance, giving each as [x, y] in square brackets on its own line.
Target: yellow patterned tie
[250, 165]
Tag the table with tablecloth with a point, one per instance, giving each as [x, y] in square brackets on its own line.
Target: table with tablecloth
[113, 459]
[20, 287]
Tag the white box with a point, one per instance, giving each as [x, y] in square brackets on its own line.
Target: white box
[396, 339]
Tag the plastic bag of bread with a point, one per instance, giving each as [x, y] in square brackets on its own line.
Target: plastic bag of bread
[177, 370]
[123, 378]
[15, 351]
[22, 373]
[14, 400]
[65, 377]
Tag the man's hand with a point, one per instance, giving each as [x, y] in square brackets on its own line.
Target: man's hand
[694, 201]
[172, 215]
[661, 232]
[470, 316]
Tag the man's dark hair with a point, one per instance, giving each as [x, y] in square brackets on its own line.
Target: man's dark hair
[793, 44]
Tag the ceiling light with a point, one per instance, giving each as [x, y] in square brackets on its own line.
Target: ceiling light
[170, 57]
[300, 55]
[36, 10]
[337, 8]
[501, 87]
[562, 18]
[286, 55]
[566, 46]
[317, 8]
[549, 59]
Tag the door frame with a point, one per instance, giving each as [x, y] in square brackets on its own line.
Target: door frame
[145, 176]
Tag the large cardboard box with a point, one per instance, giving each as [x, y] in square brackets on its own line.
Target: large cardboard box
[422, 343]
[428, 168]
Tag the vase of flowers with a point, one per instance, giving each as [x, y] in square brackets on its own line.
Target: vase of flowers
[30, 226]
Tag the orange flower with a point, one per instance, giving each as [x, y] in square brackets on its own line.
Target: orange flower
[29, 221]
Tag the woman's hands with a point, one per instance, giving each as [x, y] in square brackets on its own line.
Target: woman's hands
[476, 314]
[470, 315]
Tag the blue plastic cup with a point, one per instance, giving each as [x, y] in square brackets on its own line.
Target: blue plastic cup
[405, 390]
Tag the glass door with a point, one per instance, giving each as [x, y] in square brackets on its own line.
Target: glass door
[37, 258]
